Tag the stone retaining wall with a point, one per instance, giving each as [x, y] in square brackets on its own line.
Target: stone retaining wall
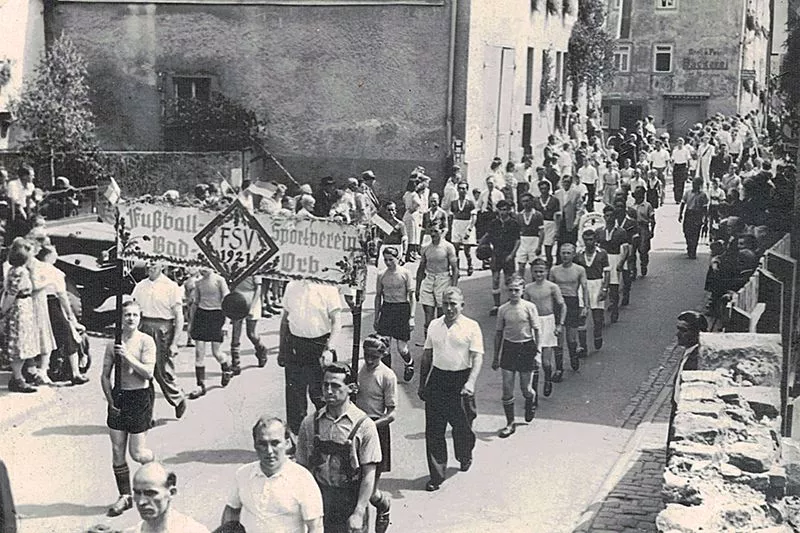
[728, 468]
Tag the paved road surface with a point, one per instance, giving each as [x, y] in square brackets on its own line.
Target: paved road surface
[539, 480]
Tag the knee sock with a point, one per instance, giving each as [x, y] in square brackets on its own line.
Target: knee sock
[572, 347]
[380, 500]
[548, 374]
[200, 374]
[406, 357]
[535, 382]
[508, 407]
[496, 296]
[123, 477]
[226, 367]
[582, 339]
[559, 353]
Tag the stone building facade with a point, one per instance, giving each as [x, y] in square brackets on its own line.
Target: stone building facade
[684, 60]
[343, 85]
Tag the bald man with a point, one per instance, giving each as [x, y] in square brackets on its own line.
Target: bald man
[153, 490]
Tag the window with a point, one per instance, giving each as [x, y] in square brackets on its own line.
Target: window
[196, 88]
[564, 80]
[666, 4]
[622, 58]
[529, 77]
[662, 58]
[625, 20]
[613, 5]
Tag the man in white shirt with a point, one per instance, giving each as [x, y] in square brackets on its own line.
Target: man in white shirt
[310, 325]
[153, 491]
[588, 176]
[681, 155]
[659, 158]
[161, 301]
[451, 362]
[19, 190]
[274, 494]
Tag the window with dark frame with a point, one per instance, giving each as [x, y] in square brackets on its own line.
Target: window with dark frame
[666, 4]
[662, 58]
[197, 88]
[622, 58]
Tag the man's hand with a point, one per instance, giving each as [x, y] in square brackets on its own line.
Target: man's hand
[584, 311]
[557, 330]
[603, 294]
[377, 319]
[326, 358]
[119, 351]
[510, 258]
[468, 389]
[680, 218]
[355, 524]
[173, 350]
[496, 363]
[113, 409]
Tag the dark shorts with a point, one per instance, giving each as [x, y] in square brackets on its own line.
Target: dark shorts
[207, 325]
[499, 263]
[385, 438]
[518, 356]
[393, 321]
[136, 410]
[573, 318]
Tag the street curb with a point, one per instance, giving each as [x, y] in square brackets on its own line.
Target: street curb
[630, 452]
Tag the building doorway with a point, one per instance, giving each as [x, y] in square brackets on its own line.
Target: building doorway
[684, 116]
[628, 115]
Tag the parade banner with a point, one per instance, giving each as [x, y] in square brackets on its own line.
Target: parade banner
[230, 242]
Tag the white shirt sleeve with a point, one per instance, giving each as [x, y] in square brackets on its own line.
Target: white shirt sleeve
[234, 501]
[311, 501]
[476, 340]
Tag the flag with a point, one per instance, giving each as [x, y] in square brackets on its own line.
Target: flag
[263, 188]
[113, 193]
[382, 224]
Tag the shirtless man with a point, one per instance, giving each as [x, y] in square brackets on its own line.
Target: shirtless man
[547, 297]
[531, 233]
[438, 270]
[517, 339]
[394, 309]
[570, 278]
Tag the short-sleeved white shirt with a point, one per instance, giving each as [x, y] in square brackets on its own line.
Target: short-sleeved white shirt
[309, 306]
[659, 158]
[681, 156]
[451, 346]
[176, 523]
[377, 390]
[158, 298]
[281, 503]
[588, 175]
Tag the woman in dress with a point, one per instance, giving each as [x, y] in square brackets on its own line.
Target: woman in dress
[209, 291]
[610, 183]
[412, 218]
[41, 315]
[19, 321]
[66, 328]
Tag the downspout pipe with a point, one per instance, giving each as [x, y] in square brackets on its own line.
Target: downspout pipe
[742, 39]
[451, 67]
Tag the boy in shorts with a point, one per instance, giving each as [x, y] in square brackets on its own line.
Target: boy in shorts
[546, 296]
[377, 397]
[438, 270]
[130, 400]
[394, 308]
[571, 279]
[516, 350]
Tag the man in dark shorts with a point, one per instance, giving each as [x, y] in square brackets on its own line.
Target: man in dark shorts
[570, 278]
[516, 350]
[394, 308]
[595, 262]
[614, 240]
[130, 400]
[503, 234]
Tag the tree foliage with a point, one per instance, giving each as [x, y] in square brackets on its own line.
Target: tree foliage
[548, 88]
[54, 112]
[216, 124]
[591, 48]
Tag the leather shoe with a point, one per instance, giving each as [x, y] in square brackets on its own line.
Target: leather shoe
[558, 376]
[120, 506]
[80, 380]
[598, 343]
[548, 388]
[466, 465]
[19, 386]
[503, 434]
[261, 355]
[180, 409]
[431, 486]
[530, 409]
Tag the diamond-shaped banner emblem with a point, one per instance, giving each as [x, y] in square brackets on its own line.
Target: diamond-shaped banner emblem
[236, 243]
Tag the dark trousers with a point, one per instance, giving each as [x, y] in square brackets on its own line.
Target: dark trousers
[692, 224]
[613, 301]
[627, 281]
[163, 332]
[640, 246]
[303, 377]
[445, 405]
[338, 503]
[680, 171]
[590, 195]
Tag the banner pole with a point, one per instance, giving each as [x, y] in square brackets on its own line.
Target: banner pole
[357, 329]
[118, 312]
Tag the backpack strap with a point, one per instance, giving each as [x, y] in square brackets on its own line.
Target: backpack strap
[355, 429]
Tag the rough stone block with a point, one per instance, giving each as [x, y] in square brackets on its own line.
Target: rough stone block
[694, 451]
[756, 358]
[678, 489]
[752, 457]
[729, 471]
[790, 459]
[683, 519]
[696, 428]
[703, 408]
[777, 482]
[764, 401]
[715, 377]
[697, 391]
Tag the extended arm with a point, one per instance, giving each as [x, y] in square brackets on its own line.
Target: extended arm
[365, 491]
[477, 363]
[230, 515]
